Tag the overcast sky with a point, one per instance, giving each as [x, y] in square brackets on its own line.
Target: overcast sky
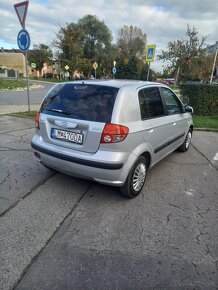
[162, 21]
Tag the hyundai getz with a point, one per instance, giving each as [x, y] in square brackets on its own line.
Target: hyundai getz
[110, 131]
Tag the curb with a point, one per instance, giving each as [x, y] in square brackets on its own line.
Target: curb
[206, 130]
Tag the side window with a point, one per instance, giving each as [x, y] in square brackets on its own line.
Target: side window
[143, 106]
[150, 103]
[173, 104]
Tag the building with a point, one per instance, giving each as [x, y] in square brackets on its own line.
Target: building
[12, 60]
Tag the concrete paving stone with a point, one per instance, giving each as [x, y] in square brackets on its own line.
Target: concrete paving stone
[5, 109]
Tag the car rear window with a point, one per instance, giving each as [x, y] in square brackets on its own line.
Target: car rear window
[81, 101]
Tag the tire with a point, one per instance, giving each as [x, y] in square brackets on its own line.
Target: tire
[187, 142]
[136, 179]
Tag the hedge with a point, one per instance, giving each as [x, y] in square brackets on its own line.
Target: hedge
[202, 97]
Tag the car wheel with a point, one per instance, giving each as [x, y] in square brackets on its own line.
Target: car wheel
[136, 179]
[187, 142]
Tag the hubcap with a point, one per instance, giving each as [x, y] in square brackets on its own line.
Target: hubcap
[139, 176]
[188, 139]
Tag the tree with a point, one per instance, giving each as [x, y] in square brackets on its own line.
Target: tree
[40, 54]
[83, 43]
[143, 71]
[121, 67]
[97, 36]
[69, 41]
[128, 70]
[97, 43]
[131, 41]
[132, 69]
[184, 54]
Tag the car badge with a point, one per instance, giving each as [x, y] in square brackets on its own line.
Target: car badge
[64, 124]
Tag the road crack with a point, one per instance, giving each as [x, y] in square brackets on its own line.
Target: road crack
[46, 243]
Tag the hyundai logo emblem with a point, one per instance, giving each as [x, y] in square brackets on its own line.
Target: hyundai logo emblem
[64, 124]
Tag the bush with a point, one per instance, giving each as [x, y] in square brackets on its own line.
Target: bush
[202, 97]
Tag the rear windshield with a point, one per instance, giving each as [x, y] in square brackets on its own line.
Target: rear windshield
[80, 101]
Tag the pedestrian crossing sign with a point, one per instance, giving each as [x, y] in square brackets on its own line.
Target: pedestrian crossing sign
[150, 53]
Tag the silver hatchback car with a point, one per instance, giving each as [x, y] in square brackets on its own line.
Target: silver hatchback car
[110, 131]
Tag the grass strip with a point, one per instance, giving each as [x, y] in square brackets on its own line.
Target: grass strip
[207, 122]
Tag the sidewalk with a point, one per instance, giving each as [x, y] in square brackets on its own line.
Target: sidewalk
[7, 109]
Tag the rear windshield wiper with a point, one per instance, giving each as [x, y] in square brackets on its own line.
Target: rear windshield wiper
[58, 111]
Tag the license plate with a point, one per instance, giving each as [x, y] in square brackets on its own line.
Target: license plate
[67, 136]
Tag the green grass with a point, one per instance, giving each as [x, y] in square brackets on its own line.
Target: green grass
[30, 115]
[12, 84]
[208, 122]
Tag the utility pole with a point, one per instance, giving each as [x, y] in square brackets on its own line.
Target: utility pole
[214, 63]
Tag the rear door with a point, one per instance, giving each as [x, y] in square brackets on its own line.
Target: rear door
[179, 120]
[156, 128]
[73, 115]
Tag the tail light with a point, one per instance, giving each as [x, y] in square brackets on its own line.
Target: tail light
[37, 120]
[113, 133]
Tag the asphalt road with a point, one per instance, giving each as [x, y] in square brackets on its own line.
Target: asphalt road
[59, 232]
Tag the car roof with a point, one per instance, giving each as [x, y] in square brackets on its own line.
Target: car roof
[115, 83]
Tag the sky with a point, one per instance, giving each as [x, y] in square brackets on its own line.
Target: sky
[162, 21]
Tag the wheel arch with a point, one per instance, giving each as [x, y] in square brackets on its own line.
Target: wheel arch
[147, 156]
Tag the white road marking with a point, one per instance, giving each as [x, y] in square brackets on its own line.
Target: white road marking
[215, 158]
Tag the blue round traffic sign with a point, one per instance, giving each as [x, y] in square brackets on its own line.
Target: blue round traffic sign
[114, 70]
[23, 40]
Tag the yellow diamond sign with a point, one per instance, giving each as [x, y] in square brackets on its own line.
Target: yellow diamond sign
[95, 65]
[66, 67]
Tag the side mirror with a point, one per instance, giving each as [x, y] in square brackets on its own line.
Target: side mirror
[189, 109]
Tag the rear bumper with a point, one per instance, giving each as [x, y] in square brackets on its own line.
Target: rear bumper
[90, 163]
[105, 167]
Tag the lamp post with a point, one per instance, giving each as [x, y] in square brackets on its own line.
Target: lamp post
[214, 63]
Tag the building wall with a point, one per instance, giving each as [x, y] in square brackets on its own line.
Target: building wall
[13, 60]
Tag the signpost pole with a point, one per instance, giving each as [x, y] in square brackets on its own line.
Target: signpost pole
[23, 39]
[148, 71]
[27, 82]
[150, 53]
[95, 65]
